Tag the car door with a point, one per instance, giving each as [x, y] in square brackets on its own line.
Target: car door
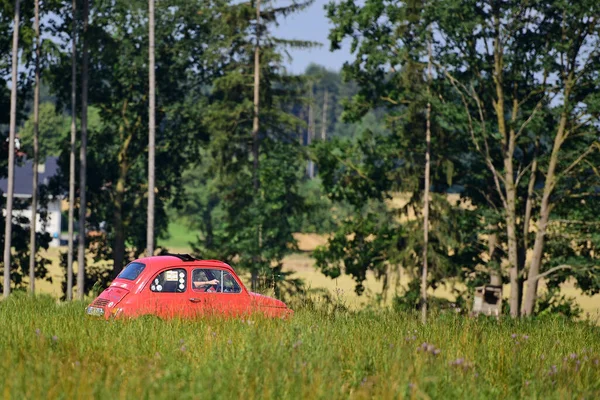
[227, 297]
[167, 294]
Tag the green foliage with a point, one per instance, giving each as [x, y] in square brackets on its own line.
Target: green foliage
[54, 128]
[319, 214]
[319, 353]
[552, 302]
[117, 146]
[240, 218]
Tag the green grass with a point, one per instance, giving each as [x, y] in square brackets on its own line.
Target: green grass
[52, 350]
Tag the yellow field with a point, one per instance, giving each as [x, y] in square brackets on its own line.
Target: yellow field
[342, 288]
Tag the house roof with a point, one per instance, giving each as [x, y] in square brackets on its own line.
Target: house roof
[24, 176]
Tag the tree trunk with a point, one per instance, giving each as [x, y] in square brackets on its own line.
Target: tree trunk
[11, 154]
[119, 226]
[255, 136]
[151, 133]
[513, 255]
[508, 143]
[527, 223]
[426, 196]
[545, 208]
[324, 121]
[72, 156]
[311, 131]
[83, 158]
[36, 123]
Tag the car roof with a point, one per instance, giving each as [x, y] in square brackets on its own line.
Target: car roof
[158, 262]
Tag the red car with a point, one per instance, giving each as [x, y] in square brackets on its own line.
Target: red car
[180, 285]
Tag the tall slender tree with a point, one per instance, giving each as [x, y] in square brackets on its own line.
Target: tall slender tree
[426, 191]
[36, 121]
[151, 130]
[72, 151]
[255, 132]
[256, 183]
[83, 156]
[11, 153]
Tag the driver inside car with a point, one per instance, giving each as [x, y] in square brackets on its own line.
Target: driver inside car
[201, 281]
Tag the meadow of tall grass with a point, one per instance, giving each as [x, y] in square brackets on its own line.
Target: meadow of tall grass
[52, 350]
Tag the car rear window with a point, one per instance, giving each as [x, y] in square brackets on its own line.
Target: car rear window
[131, 271]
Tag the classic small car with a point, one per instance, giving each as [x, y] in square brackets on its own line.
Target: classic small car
[180, 285]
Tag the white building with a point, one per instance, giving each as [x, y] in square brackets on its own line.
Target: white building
[23, 190]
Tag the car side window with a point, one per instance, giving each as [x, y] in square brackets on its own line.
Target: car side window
[170, 281]
[214, 281]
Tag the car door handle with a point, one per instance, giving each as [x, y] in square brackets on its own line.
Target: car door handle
[195, 300]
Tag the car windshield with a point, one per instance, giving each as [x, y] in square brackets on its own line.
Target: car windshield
[131, 271]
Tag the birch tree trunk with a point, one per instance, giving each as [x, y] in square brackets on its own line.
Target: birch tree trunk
[72, 154]
[83, 157]
[255, 129]
[426, 195]
[151, 133]
[508, 144]
[545, 208]
[11, 154]
[36, 122]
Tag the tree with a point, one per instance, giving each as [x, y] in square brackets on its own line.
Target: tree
[71, 221]
[389, 42]
[151, 130]
[578, 84]
[11, 154]
[426, 191]
[36, 120]
[254, 152]
[117, 159]
[503, 64]
[83, 157]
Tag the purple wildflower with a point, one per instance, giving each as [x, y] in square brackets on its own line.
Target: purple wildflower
[436, 352]
[572, 356]
[525, 337]
[38, 332]
[514, 336]
[183, 349]
[298, 343]
[54, 338]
